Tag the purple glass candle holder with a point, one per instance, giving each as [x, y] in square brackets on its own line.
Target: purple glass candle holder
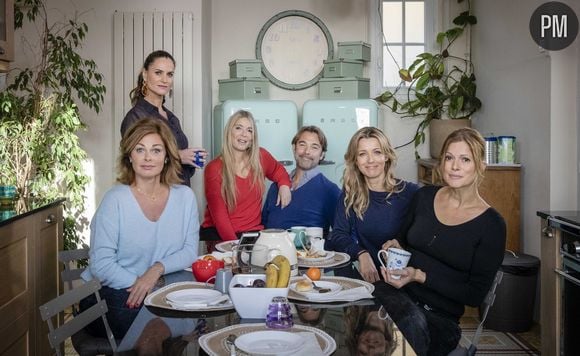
[279, 314]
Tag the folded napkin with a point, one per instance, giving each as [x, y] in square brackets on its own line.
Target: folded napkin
[311, 345]
[349, 295]
[225, 299]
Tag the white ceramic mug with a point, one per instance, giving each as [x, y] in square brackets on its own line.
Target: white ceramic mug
[396, 259]
[315, 235]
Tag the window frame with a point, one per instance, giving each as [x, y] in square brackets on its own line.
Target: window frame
[433, 10]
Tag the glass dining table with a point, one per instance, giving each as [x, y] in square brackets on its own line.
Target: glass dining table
[358, 328]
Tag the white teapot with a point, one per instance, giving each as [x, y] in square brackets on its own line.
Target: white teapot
[278, 242]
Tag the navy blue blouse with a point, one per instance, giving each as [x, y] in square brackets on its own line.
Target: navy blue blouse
[143, 109]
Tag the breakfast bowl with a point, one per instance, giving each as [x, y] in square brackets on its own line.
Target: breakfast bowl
[250, 300]
[205, 270]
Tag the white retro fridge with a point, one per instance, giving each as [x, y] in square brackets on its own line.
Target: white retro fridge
[276, 122]
[339, 120]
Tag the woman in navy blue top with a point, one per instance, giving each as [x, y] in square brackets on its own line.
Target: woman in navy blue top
[154, 82]
[373, 202]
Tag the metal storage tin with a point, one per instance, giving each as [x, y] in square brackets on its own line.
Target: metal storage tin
[344, 88]
[246, 68]
[506, 149]
[356, 50]
[491, 150]
[339, 68]
[243, 89]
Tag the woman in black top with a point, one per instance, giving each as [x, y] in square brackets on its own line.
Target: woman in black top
[154, 82]
[457, 243]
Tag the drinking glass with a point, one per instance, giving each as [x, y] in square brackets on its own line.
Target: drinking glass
[279, 314]
[244, 257]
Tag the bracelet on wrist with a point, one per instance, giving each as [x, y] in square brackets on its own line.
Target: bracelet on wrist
[361, 252]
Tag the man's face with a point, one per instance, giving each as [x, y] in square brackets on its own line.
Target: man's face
[307, 151]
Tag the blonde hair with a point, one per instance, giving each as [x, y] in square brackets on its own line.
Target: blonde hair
[133, 135]
[229, 189]
[476, 145]
[355, 187]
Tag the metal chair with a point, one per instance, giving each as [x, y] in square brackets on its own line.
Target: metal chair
[72, 271]
[56, 336]
[487, 303]
[83, 342]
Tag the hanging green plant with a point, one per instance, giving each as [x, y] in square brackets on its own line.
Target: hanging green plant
[39, 118]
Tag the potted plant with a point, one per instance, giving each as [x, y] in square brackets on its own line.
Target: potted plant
[437, 86]
[39, 119]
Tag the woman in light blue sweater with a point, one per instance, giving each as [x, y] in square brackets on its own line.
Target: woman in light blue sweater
[145, 227]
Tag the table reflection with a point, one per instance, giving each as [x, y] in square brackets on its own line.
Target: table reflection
[359, 328]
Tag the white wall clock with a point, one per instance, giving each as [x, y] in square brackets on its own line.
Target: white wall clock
[292, 46]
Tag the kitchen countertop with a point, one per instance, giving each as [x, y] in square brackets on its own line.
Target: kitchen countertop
[13, 212]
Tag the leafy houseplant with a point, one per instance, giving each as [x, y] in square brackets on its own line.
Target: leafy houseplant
[39, 120]
[438, 85]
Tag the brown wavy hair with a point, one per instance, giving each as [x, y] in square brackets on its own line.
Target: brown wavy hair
[228, 189]
[355, 187]
[476, 144]
[133, 135]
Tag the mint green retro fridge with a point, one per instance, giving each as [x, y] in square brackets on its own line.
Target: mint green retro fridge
[276, 122]
[339, 120]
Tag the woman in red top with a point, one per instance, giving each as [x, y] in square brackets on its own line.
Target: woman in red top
[234, 182]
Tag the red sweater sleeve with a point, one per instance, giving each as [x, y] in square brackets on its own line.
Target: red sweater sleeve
[273, 170]
[216, 205]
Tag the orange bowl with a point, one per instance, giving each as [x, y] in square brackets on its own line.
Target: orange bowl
[204, 270]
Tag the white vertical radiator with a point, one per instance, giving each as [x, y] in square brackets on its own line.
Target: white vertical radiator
[135, 35]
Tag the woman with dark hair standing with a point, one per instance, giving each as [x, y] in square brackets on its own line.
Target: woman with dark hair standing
[154, 82]
[457, 243]
[372, 204]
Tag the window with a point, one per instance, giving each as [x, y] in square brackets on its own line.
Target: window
[403, 25]
[408, 27]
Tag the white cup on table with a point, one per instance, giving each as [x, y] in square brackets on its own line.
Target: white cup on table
[397, 259]
[315, 235]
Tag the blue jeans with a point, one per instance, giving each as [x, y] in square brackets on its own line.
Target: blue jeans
[120, 316]
[429, 332]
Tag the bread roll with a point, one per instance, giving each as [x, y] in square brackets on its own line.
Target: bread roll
[303, 286]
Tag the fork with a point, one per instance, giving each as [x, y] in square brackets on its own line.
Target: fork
[316, 288]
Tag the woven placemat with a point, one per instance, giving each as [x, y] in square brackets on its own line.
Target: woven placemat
[345, 282]
[157, 298]
[338, 259]
[215, 344]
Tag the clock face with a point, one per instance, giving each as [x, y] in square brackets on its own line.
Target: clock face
[292, 46]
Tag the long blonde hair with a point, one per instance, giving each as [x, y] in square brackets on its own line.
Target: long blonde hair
[229, 188]
[355, 186]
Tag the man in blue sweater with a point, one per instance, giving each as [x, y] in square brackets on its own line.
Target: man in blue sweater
[314, 197]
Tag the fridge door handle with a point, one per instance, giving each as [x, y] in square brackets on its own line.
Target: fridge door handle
[326, 163]
[286, 163]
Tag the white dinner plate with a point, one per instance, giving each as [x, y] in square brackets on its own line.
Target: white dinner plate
[334, 288]
[328, 256]
[269, 342]
[193, 296]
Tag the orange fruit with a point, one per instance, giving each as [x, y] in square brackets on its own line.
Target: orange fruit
[208, 258]
[313, 273]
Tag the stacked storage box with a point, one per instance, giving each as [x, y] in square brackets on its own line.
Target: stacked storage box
[245, 83]
[342, 77]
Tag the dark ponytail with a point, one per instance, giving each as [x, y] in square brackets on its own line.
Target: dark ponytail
[137, 92]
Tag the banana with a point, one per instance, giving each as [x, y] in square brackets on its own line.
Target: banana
[284, 272]
[271, 275]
